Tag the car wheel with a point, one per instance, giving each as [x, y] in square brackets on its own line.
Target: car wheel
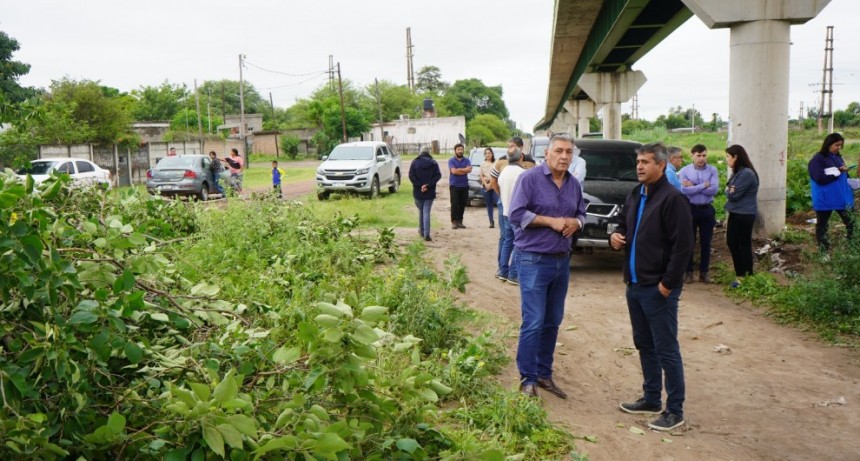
[204, 193]
[396, 184]
[374, 187]
[323, 195]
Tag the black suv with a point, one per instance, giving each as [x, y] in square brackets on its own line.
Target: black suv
[610, 175]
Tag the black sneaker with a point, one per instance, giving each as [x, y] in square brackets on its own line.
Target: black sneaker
[641, 407]
[513, 281]
[501, 277]
[666, 422]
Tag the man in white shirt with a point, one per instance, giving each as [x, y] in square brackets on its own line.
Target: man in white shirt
[577, 167]
[507, 180]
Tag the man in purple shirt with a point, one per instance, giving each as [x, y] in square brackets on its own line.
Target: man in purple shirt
[546, 209]
[458, 185]
[700, 182]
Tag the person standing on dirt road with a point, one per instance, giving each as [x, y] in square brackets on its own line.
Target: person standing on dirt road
[699, 182]
[656, 232]
[424, 173]
[547, 208]
[508, 269]
[742, 208]
[458, 185]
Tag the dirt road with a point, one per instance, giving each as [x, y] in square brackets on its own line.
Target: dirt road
[776, 393]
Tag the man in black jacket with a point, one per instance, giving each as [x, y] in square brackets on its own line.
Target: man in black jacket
[424, 173]
[656, 234]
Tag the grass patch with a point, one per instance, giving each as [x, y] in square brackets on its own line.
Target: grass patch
[260, 174]
[387, 210]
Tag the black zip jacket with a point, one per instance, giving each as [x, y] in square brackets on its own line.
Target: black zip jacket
[664, 241]
[424, 170]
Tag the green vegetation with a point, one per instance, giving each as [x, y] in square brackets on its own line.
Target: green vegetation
[260, 174]
[140, 328]
[388, 210]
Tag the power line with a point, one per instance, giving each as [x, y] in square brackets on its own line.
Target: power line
[319, 74]
[283, 73]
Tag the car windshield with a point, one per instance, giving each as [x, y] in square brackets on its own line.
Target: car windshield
[176, 162]
[609, 165]
[351, 153]
[38, 168]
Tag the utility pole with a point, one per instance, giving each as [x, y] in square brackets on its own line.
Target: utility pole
[410, 71]
[379, 107]
[800, 116]
[223, 102]
[342, 112]
[693, 119]
[272, 104]
[242, 109]
[635, 109]
[197, 100]
[827, 83]
[209, 107]
[331, 72]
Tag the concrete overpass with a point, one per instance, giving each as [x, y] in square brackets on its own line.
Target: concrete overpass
[596, 42]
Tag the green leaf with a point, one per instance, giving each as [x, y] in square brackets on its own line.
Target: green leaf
[203, 289]
[244, 424]
[313, 377]
[133, 352]
[374, 313]
[286, 356]
[330, 444]
[90, 227]
[319, 412]
[440, 388]
[428, 394]
[80, 317]
[202, 391]
[340, 310]
[214, 440]
[159, 317]
[492, 455]
[333, 335]
[364, 334]
[226, 389]
[326, 321]
[287, 441]
[230, 434]
[407, 445]
[116, 423]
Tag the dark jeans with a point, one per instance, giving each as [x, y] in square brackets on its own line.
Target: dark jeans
[490, 200]
[739, 240]
[543, 288]
[276, 188]
[508, 254]
[822, 221]
[704, 220]
[424, 206]
[459, 198]
[655, 335]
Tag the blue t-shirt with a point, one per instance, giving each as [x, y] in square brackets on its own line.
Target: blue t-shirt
[276, 176]
[458, 180]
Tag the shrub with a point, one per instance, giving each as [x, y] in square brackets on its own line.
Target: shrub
[290, 145]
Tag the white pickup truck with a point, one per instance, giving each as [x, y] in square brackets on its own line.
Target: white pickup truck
[363, 167]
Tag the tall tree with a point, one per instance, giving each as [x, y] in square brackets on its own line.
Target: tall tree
[471, 97]
[223, 98]
[161, 102]
[101, 113]
[430, 81]
[10, 71]
[395, 100]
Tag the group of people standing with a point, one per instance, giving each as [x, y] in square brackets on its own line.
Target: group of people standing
[543, 209]
[230, 170]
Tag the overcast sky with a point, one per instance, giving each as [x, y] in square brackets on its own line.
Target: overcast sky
[126, 45]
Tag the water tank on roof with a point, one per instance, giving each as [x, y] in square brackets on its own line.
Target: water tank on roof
[428, 104]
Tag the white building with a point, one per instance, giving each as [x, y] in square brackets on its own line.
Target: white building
[409, 135]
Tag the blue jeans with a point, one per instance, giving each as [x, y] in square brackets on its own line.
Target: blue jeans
[543, 287]
[508, 254]
[424, 206]
[655, 335]
[490, 199]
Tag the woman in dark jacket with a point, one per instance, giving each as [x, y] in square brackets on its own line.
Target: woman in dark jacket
[742, 207]
[424, 173]
[830, 189]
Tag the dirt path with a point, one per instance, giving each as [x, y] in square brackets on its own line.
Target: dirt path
[762, 400]
[766, 399]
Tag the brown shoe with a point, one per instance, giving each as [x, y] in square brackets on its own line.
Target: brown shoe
[529, 389]
[549, 385]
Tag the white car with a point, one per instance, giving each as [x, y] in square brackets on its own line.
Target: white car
[83, 172]
[363, 167]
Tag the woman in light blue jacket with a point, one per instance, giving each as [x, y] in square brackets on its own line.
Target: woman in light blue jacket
[742, 207]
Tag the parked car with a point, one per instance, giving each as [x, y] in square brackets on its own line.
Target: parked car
[610, 176]
[476, 157]
[83, 172]
[187, 175]
[363, 167]
[537, 148]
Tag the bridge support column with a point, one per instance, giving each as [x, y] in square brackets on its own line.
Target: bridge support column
[581, 110]
[758, 88]
[610, 89]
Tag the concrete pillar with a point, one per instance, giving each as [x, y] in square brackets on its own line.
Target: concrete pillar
[581, 110]
[611, 89]
[758, 88]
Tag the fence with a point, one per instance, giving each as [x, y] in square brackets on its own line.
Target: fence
[126, 165]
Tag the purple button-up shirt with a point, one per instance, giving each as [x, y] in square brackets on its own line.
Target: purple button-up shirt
[536, 194]
[698, 194]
